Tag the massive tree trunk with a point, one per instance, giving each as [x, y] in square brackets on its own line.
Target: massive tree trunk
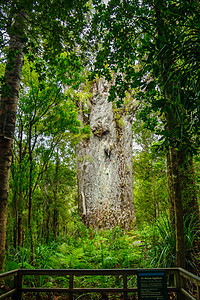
[105, 177]
[8, 110]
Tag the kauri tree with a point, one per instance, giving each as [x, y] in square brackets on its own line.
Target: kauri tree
[105, 174]
[153, 46]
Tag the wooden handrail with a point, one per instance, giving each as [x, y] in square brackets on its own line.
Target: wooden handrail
[8, 274]
[178, 273]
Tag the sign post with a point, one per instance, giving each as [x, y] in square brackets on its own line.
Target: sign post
[152, 285]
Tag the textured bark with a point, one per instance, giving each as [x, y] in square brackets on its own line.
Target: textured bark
[105, 177]
[5, 163]
[8, 110]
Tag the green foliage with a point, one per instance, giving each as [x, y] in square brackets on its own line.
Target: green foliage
[160, 242]
[197, 173]
[81, 248]
[150, 247]
[106, 249]
[43, 168]
[150, 187]
[155, 45]
[50, 26]
[149, 174]
[154, 50]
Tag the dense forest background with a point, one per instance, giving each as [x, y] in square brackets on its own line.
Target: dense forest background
[52, 52]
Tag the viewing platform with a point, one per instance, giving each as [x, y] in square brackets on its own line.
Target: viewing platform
[177, 281]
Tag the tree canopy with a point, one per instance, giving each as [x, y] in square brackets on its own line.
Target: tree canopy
[52, 53]
[153, 46]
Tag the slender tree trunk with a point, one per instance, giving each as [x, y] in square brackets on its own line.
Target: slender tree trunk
[30, 177]
[173, 165]
[183, 196]
[30, 194]
[46, 216]
[8, 110]
[188, 187]
[180, 244]
[47, 234]
[15, 214]
[190, 203]
[20, 196]
[5, 161]
[55, 222]
[174, 181]
[55, 192]
[20, 235]
[170, 190]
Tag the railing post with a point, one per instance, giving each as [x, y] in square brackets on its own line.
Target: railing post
[198, 292]
[71, 285]
[125, 286]
[180, 283]
[18, 286]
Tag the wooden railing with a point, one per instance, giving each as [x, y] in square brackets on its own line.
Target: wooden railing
[178, 279]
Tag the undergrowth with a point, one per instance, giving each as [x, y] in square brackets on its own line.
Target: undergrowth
[82, 248]
[86, 248]
[160, 243]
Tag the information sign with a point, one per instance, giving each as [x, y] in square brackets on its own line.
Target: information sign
[152, 285]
